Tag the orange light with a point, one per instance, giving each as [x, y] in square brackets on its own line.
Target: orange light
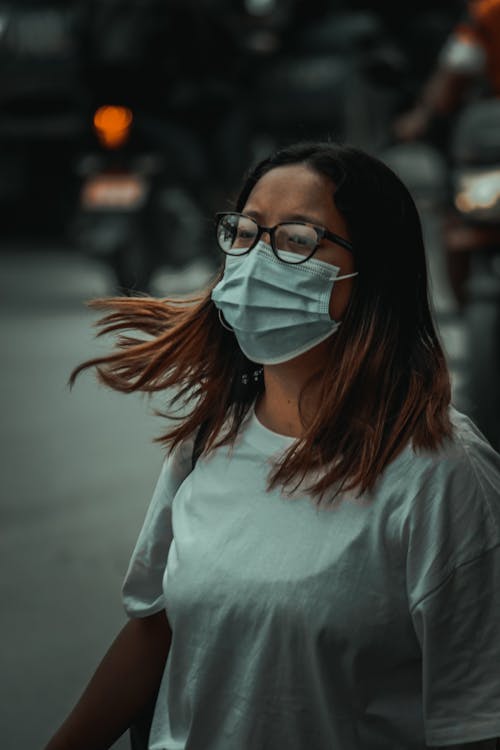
[112, 125]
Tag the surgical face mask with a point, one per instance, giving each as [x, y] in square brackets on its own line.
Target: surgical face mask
[276, 310]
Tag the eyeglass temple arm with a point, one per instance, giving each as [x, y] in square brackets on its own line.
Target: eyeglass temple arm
[339, 240]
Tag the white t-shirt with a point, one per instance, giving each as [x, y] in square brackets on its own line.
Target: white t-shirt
[372, 625]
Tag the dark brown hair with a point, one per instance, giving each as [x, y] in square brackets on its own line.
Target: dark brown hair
[386, 383]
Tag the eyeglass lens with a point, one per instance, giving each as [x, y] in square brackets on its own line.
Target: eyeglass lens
[236, 234]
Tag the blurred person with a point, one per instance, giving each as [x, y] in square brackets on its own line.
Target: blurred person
[320, 563]
[470, 56]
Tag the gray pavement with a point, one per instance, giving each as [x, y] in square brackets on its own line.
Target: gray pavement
[78, 469]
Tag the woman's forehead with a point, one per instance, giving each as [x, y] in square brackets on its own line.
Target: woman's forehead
[292, 181]
[293, 190]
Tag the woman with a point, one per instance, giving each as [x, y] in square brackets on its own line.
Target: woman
[330, 568]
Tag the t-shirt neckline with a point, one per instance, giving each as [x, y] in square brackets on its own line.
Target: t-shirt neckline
[264, 439]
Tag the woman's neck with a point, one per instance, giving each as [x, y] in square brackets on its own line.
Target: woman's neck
[277, 408]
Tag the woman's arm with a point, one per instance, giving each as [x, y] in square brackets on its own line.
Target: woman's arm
[125, 681]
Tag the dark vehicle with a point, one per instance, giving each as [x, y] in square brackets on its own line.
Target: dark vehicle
[330, 77]
[40, 123]
[332, 70]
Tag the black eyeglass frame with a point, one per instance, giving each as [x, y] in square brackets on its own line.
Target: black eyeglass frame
[321, 232]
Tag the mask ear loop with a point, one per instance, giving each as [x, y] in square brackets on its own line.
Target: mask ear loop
[346, 276]
[223, 322]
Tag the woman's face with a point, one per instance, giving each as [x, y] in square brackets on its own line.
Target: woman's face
[296, 192]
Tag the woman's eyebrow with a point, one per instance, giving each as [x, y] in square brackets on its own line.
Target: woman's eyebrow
[288, 217]
[304, 217]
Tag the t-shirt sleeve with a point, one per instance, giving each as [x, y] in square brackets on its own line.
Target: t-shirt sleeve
[453, 580]
[142, 589]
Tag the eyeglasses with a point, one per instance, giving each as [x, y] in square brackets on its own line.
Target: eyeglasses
[237, 234]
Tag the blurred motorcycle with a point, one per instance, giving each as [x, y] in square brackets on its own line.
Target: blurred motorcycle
[134, 213]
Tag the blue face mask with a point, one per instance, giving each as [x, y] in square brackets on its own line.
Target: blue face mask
[276, 310]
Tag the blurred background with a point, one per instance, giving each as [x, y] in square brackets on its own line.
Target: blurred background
[124, 125]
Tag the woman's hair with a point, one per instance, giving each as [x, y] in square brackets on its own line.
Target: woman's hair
[386, 383]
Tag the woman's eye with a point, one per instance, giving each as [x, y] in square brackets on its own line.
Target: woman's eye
[242, 239]
[298, 240]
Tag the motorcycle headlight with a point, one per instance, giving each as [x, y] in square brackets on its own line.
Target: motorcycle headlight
[477, 194]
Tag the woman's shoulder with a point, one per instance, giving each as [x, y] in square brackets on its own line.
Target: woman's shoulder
[176, 466]
[451, 492]
[466, 451]
[451, 517]
[466, 434]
